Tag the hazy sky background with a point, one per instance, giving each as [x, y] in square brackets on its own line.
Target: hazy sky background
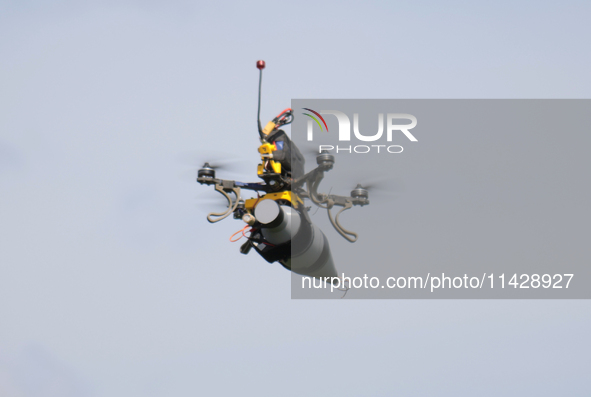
[112, 283]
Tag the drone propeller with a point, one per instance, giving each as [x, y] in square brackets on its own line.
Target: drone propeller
[227, 165]
[310, 153]
[216, 162]
[377, 189]
[380, 184]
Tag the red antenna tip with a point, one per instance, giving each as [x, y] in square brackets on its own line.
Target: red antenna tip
[260, 65]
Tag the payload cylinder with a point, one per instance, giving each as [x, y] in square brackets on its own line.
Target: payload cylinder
[310, 253]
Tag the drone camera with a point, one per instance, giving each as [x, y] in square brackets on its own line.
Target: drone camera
[240, 211]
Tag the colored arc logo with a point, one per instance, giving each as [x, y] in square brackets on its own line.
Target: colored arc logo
[315, 119]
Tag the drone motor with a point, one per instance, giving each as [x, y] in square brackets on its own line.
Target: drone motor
[206, 172]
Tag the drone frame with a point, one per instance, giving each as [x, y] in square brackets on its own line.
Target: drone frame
[294, 194]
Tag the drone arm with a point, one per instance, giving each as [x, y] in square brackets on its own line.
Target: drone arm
[347, 234]
[260, 187]
[312, 184]
[309, 177]
[216, 217]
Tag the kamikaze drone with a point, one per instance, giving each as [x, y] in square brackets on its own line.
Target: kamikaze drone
[278, 223]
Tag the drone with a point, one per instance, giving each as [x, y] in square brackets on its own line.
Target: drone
[278, 222]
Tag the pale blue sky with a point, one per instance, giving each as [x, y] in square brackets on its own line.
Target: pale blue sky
[113, 284]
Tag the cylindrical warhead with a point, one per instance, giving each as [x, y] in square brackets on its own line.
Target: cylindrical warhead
[269, 213]
[279, 222]
[310, 253]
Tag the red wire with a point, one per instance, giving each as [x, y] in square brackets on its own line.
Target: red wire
[241, 230]
[285, 111]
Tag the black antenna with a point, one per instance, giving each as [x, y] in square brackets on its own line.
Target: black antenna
[260, 67]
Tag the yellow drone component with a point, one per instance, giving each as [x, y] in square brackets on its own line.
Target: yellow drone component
[266, 150]
[269, 127]
[275, 167]
[285, 195]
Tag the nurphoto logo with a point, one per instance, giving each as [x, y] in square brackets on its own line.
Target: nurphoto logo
[393, 126]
